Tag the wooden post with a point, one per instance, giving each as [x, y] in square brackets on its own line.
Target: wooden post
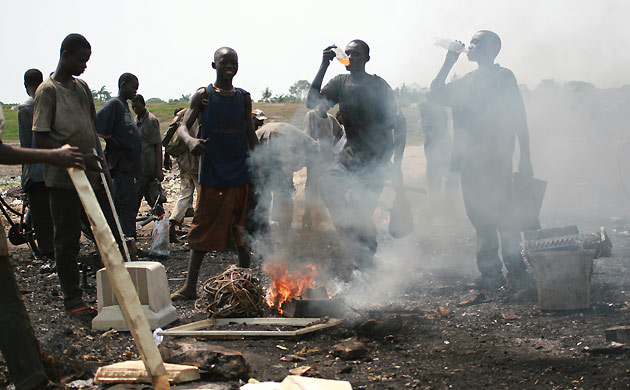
[121, 281]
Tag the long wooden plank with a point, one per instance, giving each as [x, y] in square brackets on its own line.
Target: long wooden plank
[191, 330]
[267, 321]
[121, 281]
[232, 333]
[134, 371]
[192, 326]
[316, 327]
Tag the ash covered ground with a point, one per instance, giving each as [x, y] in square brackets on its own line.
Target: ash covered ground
[501, 341]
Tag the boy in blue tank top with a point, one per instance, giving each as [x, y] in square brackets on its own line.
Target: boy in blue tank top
[227, 135]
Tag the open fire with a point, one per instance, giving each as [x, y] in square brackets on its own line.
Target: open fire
[285, 285]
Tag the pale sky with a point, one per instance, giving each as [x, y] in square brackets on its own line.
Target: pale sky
[169, 44]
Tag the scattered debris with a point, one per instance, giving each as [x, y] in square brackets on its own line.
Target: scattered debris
[214, 361]
[613, 349]
[299, 370]
[292, 358]
[477, 299]
[80, 384]
[294, 382]
[600, 242]
[308, 351]
[306, 307]
[349, 349]
[134, 371]
[444, 311]
[373, 328]
[620, 334]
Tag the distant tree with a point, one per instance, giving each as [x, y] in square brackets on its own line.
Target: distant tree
[283, 98]
[266, 96]
[299, 90]
[103, 94]
[579, 86]
[155, 100]
[407, 95]
[183, 99]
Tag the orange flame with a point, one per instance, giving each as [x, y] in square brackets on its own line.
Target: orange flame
[285, 285]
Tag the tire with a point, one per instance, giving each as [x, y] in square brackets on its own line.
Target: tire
[29, 231]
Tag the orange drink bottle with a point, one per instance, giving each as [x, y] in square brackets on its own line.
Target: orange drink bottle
[341, 56]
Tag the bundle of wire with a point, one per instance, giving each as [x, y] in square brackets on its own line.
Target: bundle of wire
[233, 293]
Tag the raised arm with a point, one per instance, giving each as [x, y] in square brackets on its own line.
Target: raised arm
[315, 96]
[438, 92]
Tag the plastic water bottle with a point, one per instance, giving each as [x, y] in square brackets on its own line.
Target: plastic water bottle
[341, 56]
[450, 45]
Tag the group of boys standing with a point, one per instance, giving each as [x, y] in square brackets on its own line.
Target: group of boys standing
[488, 114]
[62, 111]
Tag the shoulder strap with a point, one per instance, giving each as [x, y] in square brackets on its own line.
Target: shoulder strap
[205, 94]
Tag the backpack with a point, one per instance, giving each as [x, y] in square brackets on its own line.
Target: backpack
[174, 145]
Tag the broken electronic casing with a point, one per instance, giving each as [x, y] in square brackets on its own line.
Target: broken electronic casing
[563, 265]
[314, 303]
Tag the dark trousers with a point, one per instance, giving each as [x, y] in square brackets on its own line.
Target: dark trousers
[353, 215]
[67, 212]
[150, 189]
[124, 194]
[37, 194]
[487, 195]
[17, 338]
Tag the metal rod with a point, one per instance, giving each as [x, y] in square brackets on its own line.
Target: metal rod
[111, 205]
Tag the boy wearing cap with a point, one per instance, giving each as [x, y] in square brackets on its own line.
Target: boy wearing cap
[227, 135]
[259, 118]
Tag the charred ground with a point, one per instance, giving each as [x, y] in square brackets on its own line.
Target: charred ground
[504, 341]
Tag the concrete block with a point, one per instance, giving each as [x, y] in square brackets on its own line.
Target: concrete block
[149, 278]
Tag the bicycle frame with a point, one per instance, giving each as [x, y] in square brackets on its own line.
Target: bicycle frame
[21, 232]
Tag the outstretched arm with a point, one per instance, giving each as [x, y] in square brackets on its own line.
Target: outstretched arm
[315, 96]
[61, 157]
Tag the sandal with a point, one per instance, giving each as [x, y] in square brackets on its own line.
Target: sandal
[83, 312]
[177, 296]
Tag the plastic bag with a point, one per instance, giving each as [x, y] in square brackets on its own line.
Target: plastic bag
[159, 238]
[527, 197]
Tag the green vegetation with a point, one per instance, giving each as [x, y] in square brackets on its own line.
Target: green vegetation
[10, 122]
[293, 113]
